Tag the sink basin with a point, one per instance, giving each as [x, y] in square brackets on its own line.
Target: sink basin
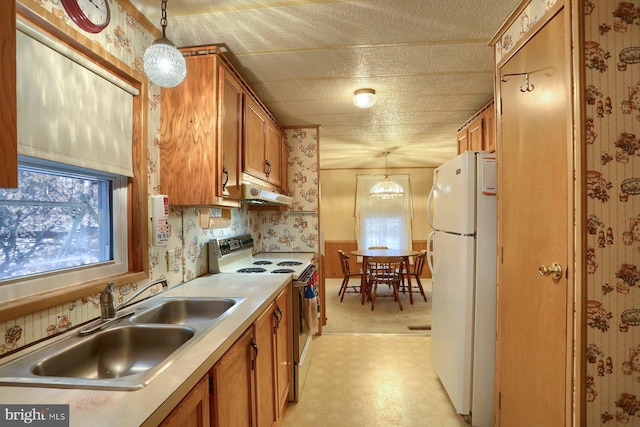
[125, 355]
[114, 353]
[185, 311]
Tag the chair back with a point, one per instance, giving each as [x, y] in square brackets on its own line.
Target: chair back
[378, 247]
[384, 269]
[344, 263]
[418, 264]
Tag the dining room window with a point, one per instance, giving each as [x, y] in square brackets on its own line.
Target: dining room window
[383, 222]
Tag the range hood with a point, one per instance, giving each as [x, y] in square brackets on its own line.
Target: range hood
[257, 195]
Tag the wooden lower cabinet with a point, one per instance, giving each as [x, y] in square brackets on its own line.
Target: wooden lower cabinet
[251, 381]
[263, 331]
[232, 399]
[282, 350]
[193, 410]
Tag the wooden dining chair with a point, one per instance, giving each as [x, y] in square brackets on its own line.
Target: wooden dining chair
[384, 271]
[378, 247]
[346, 272]
[416, 272]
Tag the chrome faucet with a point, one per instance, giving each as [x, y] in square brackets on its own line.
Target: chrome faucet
[109, 310]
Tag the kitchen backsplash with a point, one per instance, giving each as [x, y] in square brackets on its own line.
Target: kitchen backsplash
[277, 231]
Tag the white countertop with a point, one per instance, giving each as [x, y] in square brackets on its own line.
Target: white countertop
[151, 404]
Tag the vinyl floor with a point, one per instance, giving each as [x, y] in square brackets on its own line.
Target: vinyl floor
[374, 380]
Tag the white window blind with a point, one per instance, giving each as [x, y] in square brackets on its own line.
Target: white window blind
[68, 113]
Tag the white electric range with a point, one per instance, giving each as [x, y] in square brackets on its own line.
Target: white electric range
[235, 255]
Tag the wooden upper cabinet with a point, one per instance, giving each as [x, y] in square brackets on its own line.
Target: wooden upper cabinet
[273, 151]
[478, 133]
[489, 136]
[475, 132]
[284, 160]
[230, 133]
[463, 140]
[255, 136]
[188, 149]
[8, 97]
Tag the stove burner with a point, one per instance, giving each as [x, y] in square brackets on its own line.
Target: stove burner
[262, 263]
[283, 270]
[252, 270]
[289, 263]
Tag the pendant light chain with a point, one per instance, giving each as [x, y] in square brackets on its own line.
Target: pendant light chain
[163, 19]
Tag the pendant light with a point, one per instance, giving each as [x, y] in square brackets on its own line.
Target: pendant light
[386, 188]
[364, 98]
[163, 63]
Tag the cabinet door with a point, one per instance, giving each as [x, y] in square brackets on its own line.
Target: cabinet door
[463, 141]
[273, 152]
[265, 377]
[232, 401]
[284, 159]
[229, 133]
[193, 410]
[188, 154]
[475, 134]
[283, 349]
[489, 135]
[255, 131]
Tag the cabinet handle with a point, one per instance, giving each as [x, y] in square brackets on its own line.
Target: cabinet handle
[226, 179]
[279, 318]
[255, 353]
[275, 327]
[268, 172]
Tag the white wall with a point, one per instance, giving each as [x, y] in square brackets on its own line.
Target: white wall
[337, 200]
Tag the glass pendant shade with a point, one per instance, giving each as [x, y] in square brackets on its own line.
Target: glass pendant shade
[386, 188]
[164, 64]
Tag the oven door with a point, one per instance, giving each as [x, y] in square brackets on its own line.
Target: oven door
[301, 342]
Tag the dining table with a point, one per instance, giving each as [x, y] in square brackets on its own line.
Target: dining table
[405, 254]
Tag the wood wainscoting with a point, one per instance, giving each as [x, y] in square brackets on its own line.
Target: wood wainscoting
[332, 269]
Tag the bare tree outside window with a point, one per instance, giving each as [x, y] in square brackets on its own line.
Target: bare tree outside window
[54, 221]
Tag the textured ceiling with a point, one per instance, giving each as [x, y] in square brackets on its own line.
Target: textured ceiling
[429, 62]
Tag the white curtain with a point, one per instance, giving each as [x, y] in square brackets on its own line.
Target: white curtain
[381, 222]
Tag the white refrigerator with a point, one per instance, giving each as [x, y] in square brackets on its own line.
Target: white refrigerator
[462, 258]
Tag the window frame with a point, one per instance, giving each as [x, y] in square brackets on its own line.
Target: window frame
[42, 282]
[137, 251]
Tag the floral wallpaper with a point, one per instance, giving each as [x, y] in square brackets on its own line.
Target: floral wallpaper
[612, 106]
[296, 230]
[127, 39]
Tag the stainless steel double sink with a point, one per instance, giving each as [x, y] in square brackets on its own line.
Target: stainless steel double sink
[126, 355]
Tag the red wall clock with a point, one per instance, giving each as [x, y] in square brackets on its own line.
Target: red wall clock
[90, 15]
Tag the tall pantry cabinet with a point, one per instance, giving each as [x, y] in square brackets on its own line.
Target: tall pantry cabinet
[539, 377]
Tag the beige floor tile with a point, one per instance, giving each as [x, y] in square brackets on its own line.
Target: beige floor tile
[372, 380]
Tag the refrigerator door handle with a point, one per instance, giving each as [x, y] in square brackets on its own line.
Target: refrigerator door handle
[429, 200]
[430, 252]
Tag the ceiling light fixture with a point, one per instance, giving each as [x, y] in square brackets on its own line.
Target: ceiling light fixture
[364, 98]
[163, 62]
[386, 188]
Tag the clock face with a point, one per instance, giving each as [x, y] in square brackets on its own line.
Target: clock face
[90, 15]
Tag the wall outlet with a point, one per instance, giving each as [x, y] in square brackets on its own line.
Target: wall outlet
[173, 264]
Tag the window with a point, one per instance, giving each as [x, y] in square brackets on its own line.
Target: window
[383, 222]
[61, 219]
